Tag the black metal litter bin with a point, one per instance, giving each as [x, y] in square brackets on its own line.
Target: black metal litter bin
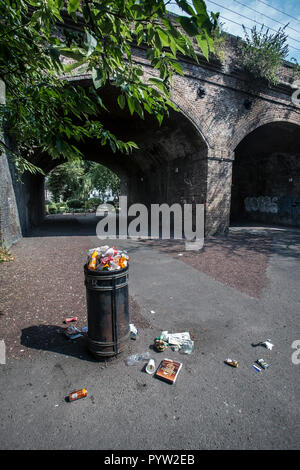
[108, 311]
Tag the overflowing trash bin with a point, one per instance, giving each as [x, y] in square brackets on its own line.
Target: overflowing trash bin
[106, 280]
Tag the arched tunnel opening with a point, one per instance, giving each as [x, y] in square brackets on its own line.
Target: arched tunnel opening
[266, 176]
[80, 186]
[169, 167]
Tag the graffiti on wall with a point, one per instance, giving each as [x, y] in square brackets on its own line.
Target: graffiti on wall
[263, 204]
[286, 208]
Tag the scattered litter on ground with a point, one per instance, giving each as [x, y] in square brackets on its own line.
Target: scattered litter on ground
[262, 363]
[180, 254]
[177, 341]
[231, 362]
[168, 370]
[78, 394]
[71, 319]
[152, 311]
[176, 338]
[133, 331]
[134, 359]
[159, 344]
[255, 367]
[150, 368]
[267, 344]
[187, 347]
[104, 258]
[72, 332]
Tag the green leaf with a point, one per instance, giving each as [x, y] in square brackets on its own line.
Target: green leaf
[130, 102]
[69, 67]
[200, 6]
[97, 78]
[159, 83]
[165, 40]
[159, 117]
[132, 144]
[73, 6]
[112, 146]
[76, 53]
[188, 25]
[185, 7]
[138, 108]
[121, 101]
[177, 67]
[202, 43]
[92, 43]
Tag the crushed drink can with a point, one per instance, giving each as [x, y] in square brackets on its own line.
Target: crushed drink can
[256, 368]
[231, 362]
[78, 394]
[263, 363]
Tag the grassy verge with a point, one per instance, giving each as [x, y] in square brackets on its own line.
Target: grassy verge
[5, 254]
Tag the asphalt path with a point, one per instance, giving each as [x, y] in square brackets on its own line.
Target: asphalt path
[211, 405]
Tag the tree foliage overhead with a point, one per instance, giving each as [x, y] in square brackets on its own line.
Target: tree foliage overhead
[44, 112]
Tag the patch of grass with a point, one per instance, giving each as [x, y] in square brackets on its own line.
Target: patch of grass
[5, 254]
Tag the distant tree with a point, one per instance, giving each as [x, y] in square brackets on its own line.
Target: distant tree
[76, 180]
[64, 181]
[103, 180]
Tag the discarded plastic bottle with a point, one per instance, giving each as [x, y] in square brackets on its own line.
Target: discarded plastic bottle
[187, 347]
[136, 358]
[78, 394]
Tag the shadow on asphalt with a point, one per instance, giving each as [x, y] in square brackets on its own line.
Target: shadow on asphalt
[52, 338]
[280, 240]
[66, 226]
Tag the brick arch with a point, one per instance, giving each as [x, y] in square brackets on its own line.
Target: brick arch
[190, 110]
[257, 121]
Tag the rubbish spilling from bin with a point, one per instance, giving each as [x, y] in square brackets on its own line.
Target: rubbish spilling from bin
[78, 394]
[84, 329]
[231, 362]
[168, 370]
[72, 332]
[135, 359]
[106, 280]
[105, 258]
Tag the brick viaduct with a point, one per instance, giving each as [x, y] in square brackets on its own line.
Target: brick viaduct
[234, 145]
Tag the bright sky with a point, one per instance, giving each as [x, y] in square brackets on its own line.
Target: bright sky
[233, 15]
